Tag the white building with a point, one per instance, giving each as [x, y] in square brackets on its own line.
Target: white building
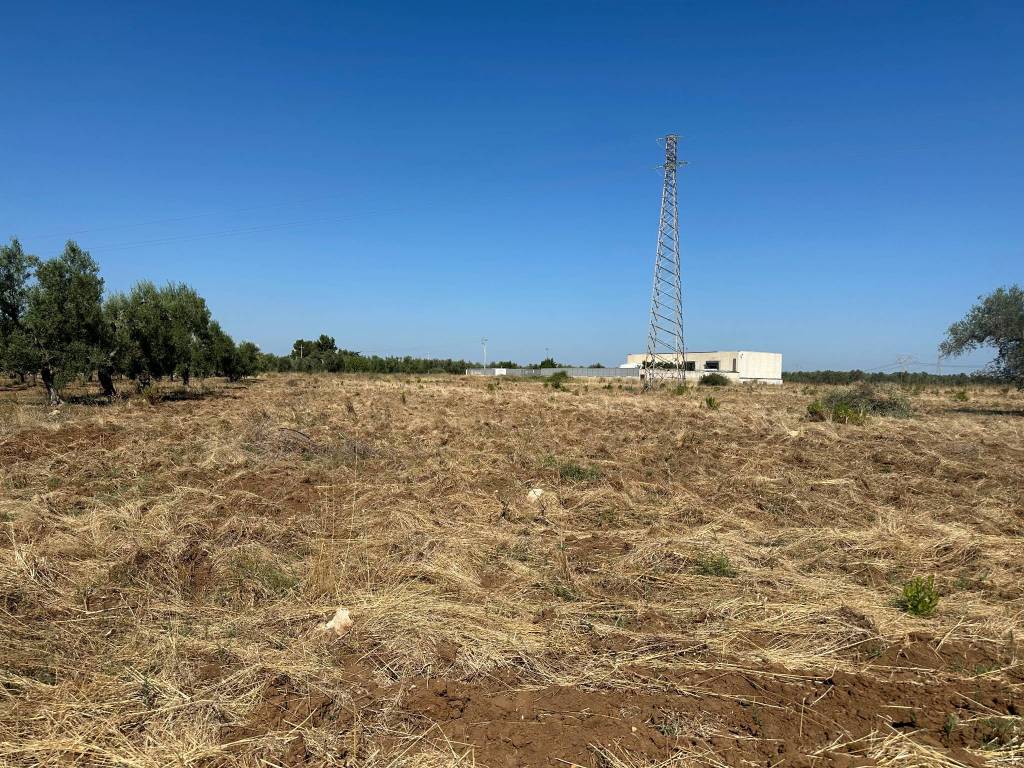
[740, 367]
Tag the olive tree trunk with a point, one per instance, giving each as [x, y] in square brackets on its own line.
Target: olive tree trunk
[51, 390]
[107, 382]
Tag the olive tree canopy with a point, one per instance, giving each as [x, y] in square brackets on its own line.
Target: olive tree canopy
[997, 320]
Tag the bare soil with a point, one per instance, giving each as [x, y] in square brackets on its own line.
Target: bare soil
[694, 586]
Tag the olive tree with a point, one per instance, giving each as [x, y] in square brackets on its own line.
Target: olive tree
[16, 353]
[218, 355]
[157, 332]
[997, 320]
[63, 318]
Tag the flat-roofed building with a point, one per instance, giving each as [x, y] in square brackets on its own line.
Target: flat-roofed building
[740, 366]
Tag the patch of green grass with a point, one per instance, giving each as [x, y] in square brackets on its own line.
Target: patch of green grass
[950, 724]
[844, 413]
[961, 396]
[572, 472]
[249, 571]
[715, 564]
[561, 591]
[919, 597]
[712, 403]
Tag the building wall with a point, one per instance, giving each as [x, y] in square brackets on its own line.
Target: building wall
[760, 365]
[736, 365]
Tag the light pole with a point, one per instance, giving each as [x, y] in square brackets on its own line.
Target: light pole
[483, 342]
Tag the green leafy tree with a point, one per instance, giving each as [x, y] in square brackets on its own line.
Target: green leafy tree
[189, 322]
[142, 339]
[248, 359]
[218, 355]
[16, 353]
[157, 332]
[997, 320]
[64, 319]
[303, 349]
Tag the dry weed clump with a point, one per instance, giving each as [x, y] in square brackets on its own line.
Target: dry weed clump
[592, 576]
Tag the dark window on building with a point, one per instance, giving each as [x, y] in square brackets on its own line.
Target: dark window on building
[710, 365]
[690, 366]
[734, 363]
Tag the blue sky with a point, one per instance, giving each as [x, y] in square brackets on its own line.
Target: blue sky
[409, 177]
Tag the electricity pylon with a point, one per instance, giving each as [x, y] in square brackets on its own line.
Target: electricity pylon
[666, 355]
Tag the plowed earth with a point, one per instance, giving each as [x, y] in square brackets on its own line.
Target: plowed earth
[693, 586]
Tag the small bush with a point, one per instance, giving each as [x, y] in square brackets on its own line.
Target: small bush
[919, 596]
[557, 380]
[714, 380]
[680, 389]
[843, 413]
[711, 402]
[877, 401]
[817, 411]
[715, 564]
[961, 396]
[853, 405]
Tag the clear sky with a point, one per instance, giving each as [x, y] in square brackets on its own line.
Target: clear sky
[409, 177]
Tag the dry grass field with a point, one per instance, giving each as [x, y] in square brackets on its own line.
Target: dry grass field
[695, 586]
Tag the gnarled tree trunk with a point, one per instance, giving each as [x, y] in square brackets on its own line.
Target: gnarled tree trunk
[51, 390]
[107, 382]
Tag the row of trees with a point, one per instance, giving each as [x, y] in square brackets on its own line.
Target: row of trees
[54, 322]
[324, 355]
[902, 377]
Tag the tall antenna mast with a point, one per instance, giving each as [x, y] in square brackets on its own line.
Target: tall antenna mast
[666, 355]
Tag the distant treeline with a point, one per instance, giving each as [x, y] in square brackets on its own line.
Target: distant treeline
[323, 355]
[902, 377]
[56, 325]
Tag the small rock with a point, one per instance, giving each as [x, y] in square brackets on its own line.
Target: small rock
[340, 624]
[535, 494]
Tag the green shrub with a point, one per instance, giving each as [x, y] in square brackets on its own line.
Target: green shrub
[714, 380]
[866, 400]
[817, 411]
[557, 380]
[715, 564]
[961, 396]
[843, 413]
[919, 596]
[680, 389]
[711, 402]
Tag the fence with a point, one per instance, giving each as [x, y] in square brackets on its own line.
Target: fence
[602, 373]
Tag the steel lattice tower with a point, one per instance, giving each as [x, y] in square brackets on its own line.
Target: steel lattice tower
[666, 356]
